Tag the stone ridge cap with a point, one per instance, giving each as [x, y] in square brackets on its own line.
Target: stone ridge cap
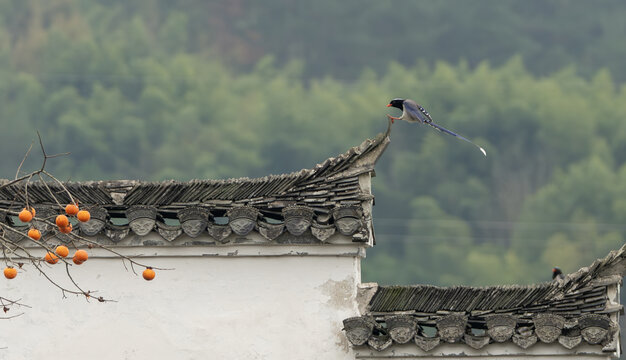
[128, 183]
[365, 146]
[466, 287]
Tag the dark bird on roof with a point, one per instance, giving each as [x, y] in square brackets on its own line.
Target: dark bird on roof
[413, 112]
[557, 273]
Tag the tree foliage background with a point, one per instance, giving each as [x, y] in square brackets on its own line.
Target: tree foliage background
[158, 89]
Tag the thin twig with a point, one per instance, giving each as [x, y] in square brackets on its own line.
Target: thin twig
[50, 191]
[60, 184]
[17, 173]
[26, 193]
[10, 317]
[45, 154]
[43, 165]
[4, 301]
[80, 292]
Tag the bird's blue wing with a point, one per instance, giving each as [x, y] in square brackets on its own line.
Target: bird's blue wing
[416, 111]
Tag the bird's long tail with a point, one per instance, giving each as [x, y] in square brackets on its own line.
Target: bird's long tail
[444, 130]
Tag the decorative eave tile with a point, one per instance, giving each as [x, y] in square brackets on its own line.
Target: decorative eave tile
[141, 219]
[476, 342]
[242, 219]
[322, 232]
[96, 223]
[219, 232]
[358, 329]
[297, 219]
[270, 231]
[451, 327]
[194, 220]
[347, 219]
[116, 232]
[501, 327]
[169, 232]
[401, 328]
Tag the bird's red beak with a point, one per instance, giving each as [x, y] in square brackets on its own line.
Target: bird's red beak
[388, 105]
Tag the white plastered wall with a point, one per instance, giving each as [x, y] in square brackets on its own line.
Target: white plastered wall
[230, 302]
[496, 351]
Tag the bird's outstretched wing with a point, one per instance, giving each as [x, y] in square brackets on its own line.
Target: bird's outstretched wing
[442, 129]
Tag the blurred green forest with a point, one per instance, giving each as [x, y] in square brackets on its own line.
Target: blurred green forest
[158, 89]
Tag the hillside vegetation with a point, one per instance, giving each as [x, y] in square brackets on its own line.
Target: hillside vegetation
[155, 90]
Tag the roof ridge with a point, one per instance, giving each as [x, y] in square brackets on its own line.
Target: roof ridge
[363, 148]
[335, 177]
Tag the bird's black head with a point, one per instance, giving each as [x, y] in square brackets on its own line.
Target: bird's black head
[556, 272]
[397, 103]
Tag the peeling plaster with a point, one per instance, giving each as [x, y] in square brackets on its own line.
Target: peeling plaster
[340, 293]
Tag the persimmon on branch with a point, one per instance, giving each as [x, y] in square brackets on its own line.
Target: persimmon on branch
[17, 256]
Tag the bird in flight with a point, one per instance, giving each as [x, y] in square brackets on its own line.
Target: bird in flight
[413, 112]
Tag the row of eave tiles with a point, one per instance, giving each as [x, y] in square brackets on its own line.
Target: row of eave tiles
[595, 329]
[194, 221]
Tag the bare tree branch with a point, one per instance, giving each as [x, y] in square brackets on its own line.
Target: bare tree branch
[14, 251]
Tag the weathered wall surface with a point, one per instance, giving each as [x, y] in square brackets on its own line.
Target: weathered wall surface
[210, 307]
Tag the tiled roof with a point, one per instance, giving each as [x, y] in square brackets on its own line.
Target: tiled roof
[576, 306]
[325, 198]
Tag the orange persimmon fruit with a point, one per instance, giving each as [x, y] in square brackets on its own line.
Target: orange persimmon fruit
[10, 272]
[83, 216]
[34, 234]
[148, 274]
[51, 258]
[66, 229]
[62, 221]
[62, 251]
[25, 215]
[81, 255]
[71, 209]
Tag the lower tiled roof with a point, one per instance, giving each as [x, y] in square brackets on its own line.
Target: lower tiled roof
[577, 293]
[576, 308]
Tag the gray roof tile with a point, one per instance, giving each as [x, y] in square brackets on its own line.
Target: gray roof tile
[322, 188]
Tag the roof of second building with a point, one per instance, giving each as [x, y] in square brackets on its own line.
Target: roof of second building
[577, 293]
[574, 307]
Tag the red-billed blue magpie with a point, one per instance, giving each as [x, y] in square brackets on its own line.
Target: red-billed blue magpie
[413, 112]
